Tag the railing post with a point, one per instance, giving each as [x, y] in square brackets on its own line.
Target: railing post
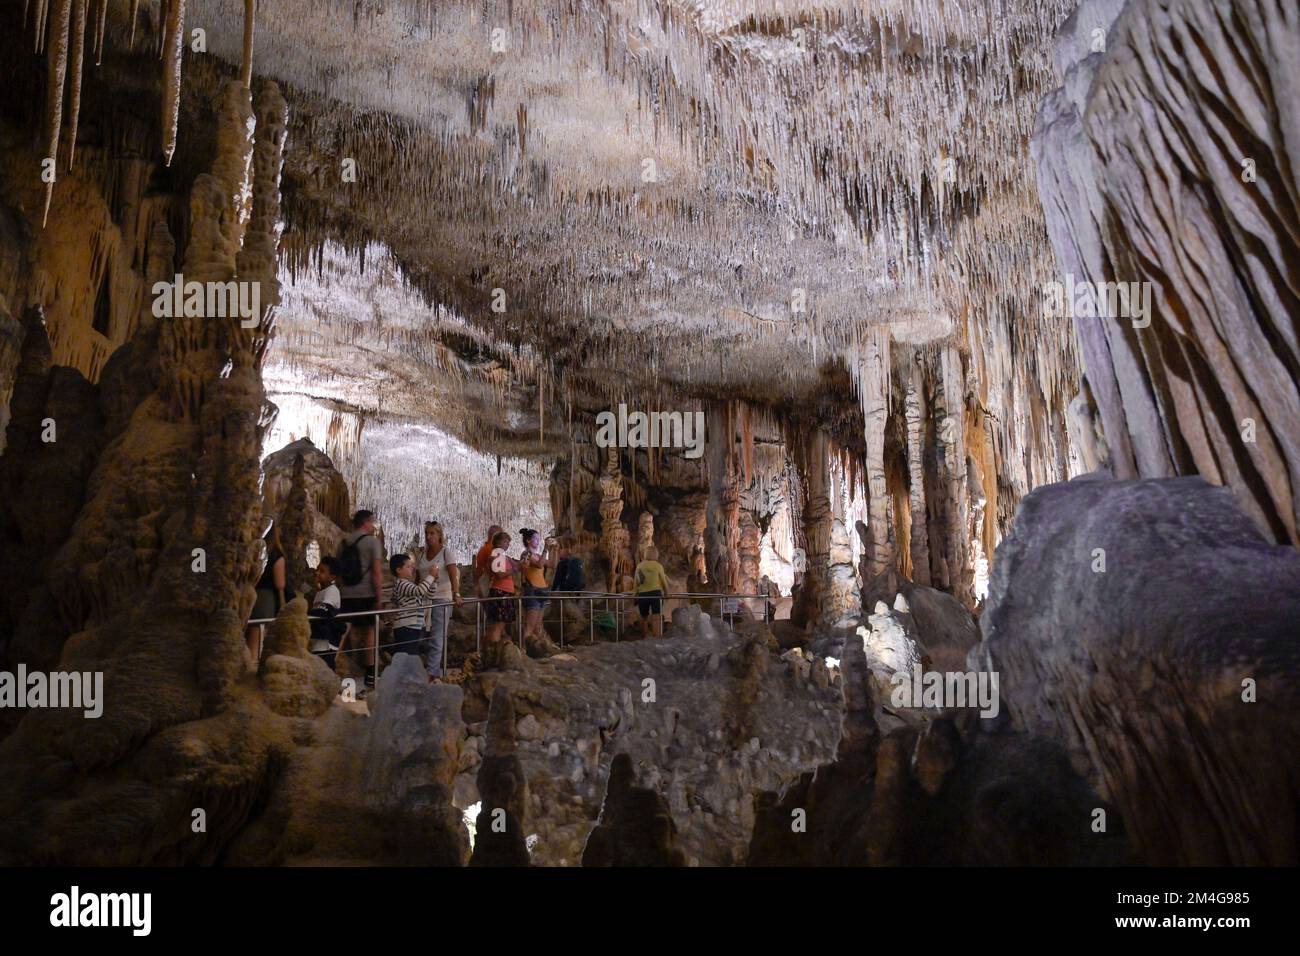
[478, 627]
[560, 605]
[261, 643]
[618, 619]
[446, 633]
[591, 620]
[374, 636]
[519, 616]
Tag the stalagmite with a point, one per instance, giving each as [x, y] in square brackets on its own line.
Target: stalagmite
[645, 535]
[294, 531]
[729, 567]
[234, 159]
[258, 256]
[916, 417]
[611, 510]
[749, 548]
[42, 11]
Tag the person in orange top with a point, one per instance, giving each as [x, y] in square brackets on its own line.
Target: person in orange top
[501, 594]
[534, 562]
[483, 562]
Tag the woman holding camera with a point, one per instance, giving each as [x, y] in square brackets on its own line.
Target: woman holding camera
[534, 563]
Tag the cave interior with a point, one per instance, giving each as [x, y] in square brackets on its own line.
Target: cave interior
[946, 357]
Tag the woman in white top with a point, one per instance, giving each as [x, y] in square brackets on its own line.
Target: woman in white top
[436, 555]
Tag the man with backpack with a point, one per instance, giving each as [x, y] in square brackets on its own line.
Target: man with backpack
[361, 582]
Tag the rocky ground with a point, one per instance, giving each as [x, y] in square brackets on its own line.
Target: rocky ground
[708, 719]
[707, 716]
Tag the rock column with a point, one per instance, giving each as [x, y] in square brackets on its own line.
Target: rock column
[920, 543]
[810, 461]
[872, 369]
[611, 511]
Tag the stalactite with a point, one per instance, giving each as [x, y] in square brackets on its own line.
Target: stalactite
[173, 51]
[920, 236]
[101, 23]
[75, 68]
[747, 443]
[246, 64]
[56, 72]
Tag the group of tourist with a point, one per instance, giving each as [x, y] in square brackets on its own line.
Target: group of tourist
[427, 587]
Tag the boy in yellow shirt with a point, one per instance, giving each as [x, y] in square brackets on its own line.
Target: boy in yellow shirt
[651, 588]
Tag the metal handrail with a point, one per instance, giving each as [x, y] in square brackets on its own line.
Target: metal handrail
[551, 596]
[589, 596]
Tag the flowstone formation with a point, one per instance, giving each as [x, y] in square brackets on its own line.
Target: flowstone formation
[171, 488]
[1205, 380]
[146, 575]
[364, 783]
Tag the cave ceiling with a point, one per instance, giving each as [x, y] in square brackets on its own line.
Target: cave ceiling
[655, 187]
[567, 204]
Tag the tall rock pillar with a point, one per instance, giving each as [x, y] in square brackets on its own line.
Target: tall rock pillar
[920, 539]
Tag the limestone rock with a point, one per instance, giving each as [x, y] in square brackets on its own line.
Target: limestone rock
[330, 508]
[636, 826]
[945, 629]
[503, 791]
[889, 649]
[934, 795]
[687, 619]
[690, 734]
[1130, 621]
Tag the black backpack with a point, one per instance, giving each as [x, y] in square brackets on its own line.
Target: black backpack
[351, 570]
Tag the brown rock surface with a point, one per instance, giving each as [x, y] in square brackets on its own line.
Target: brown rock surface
[1170, 676]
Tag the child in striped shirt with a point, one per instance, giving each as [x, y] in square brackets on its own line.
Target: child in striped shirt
[408, 625]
